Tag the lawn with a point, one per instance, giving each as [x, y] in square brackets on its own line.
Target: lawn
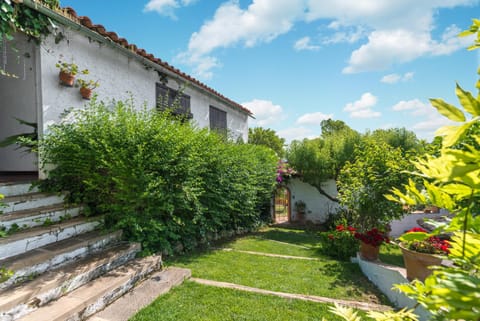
[321, 276]
[195, 302]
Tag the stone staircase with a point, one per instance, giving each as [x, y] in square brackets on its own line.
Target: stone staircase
[60, 265]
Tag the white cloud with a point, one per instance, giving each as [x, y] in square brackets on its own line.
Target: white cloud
[261, 22]
[395, 78]
[265, 112]
[305, 44]
[345, 34]
[411, 105]
[396, 31]
[362, 108]
[296, 133]
[167, 7]
[313, 118]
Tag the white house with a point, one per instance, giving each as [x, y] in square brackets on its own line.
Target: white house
[122, 69]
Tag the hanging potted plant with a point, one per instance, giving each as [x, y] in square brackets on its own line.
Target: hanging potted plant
[87, 86]
[67, 74]
[370, 242]
[420, 251]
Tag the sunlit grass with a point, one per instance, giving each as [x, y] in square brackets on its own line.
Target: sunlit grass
[192, 301]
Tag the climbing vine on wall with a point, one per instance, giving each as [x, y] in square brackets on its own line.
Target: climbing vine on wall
[17, 17]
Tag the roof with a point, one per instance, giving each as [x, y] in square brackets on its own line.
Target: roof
[85, 21]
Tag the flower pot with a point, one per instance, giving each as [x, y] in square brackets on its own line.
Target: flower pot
[66, 79]
[417, 263]
[86, 93]
[369, 252]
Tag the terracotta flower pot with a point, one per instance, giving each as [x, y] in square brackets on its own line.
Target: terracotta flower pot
[66, 79]
[417, 263]
[369, 252]
[86, 93]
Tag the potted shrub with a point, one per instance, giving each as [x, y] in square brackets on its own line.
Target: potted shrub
[67, 74]
[370, 242]
[86, 87]
[300, 208]
[421, 250]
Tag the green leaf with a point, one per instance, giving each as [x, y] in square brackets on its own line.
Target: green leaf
[414, 236]
[448, 110]
[469, 103]
[454, 136]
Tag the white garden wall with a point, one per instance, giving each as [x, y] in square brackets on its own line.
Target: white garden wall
[409, 221]
[318, 206]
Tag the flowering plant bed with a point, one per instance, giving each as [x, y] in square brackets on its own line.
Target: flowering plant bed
[373, 237]
[340, 243]
[417, 239]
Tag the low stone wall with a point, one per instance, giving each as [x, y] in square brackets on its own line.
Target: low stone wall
[385, 276]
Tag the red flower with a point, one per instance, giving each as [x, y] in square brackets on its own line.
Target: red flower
[417, 229]
[330, 236]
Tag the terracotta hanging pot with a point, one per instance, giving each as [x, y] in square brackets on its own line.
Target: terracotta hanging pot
[86, 93]
[417, 263]
[66, 79]
[369, 252]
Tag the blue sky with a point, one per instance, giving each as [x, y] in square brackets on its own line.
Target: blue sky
[371, 63]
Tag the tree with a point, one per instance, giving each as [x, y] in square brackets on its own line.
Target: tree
[322, 158]
[404, 139]
[267, 137]
[362, 184]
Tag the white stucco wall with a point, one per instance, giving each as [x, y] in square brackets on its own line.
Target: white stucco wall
[409, 221]
[317, 206]
[18, 99]
[120, 77]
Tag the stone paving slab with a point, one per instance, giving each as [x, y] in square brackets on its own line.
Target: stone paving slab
[142, 295]
[354, 304]
[271, 255]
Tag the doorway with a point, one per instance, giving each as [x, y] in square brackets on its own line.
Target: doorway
[19, 103]
[282, 210]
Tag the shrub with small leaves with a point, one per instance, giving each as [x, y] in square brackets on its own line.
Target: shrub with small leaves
[339, 243]
[164, 181]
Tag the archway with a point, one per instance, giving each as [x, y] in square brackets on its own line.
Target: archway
[282, 209]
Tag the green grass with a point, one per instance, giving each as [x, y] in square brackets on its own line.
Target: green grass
[328, 278]
[195, 302]
[257, 244]
[322, 277]
[391, 254]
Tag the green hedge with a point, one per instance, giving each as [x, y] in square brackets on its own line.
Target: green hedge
[162, 180]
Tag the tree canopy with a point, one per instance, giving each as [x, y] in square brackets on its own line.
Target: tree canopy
[267, 137]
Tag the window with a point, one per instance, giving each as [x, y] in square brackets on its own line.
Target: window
[218, 119]
[168, 98]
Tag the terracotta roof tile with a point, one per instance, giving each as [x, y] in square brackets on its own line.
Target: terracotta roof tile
[87, 22]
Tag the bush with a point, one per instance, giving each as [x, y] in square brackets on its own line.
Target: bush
[339, 243]
[162, 180]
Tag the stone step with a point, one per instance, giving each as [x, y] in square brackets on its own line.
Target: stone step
[55, 255]
[156, 284]
[12, 189]
[38, 216]
[36, 237]
[93, 297]
[28, 297]
[29, 201]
